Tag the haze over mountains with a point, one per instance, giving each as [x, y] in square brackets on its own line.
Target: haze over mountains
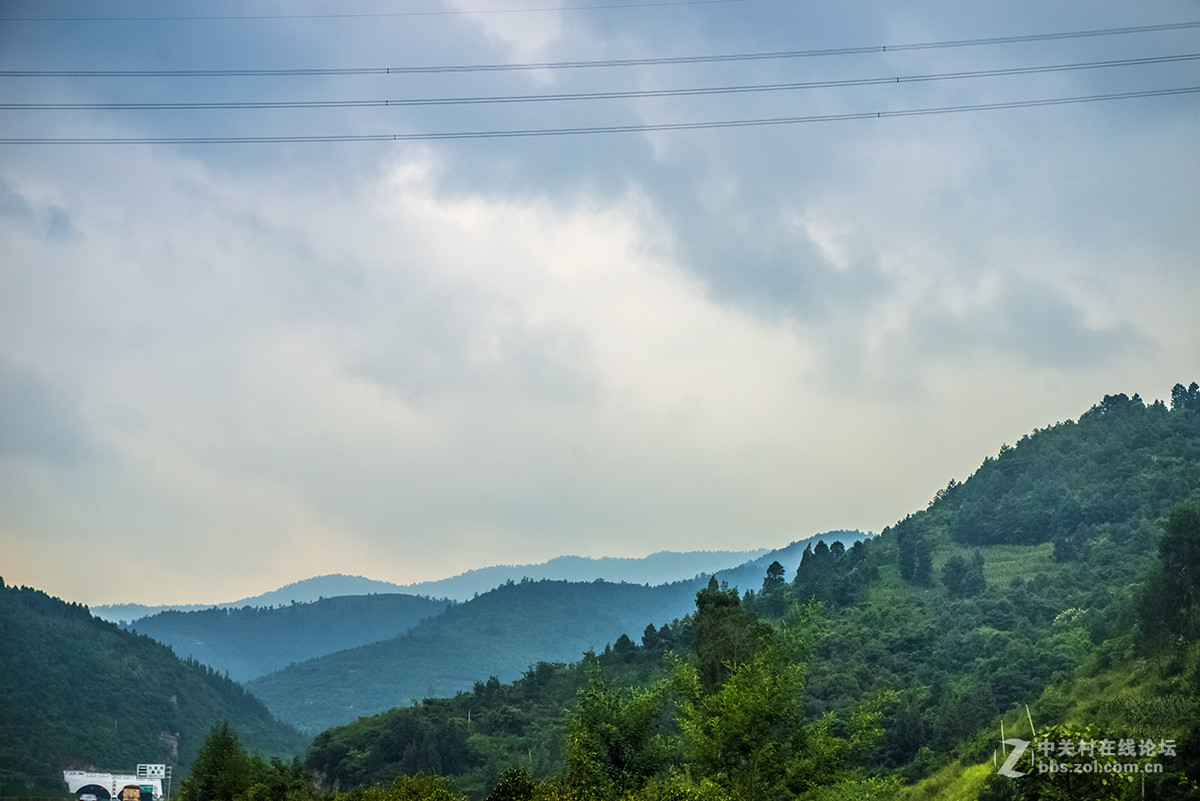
[434, 647]
[320, 662]
[1051, 579]
[248, 642]
[662, 567]
[501, 633]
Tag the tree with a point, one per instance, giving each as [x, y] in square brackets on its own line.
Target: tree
[614, 742]
[749, 735]
[1185, 399]
[742, 733]
[276, 780]
[514, 784]
[221, 771]
[773, 598]
[727, 634]
[774, 579]
[1179, 553]
[964, 577]
[915, 556]
[805, 581]
[1170, 603]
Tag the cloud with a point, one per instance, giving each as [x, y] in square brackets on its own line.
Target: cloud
[38, 421]
[1028, 322]
[264, 362]
[46, 218]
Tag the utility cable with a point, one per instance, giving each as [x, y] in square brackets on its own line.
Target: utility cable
[623, 95]
[638, 128]
[355, 15]
[558, 65]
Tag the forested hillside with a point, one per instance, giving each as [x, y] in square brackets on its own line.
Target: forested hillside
[77, 692]
[499, 633]
[1058, 585]
[492, 635]
[1054, 593]
[250, 642]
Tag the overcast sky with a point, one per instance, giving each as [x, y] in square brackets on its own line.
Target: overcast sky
[229, 366]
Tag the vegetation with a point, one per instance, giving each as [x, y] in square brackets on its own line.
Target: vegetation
[1057, 584]
[252, 641]
[1053, 597]
[497, 634]
[79, 692]
[225, 770]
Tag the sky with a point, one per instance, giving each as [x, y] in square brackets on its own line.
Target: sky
[243, 346]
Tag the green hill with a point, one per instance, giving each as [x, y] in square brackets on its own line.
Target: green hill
[1059, 584]
[500, 633]
[250, 642]
[78, 692]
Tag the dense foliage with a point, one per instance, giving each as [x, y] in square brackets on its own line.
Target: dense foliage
[1012, 597]
[79, 692]
[223, 769]
[476, 735]
[1122, 460]
[640, 721]
[500, 633]
[1053, 595]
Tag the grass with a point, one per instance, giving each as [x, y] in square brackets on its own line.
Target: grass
[955, 782]
[1001, 563]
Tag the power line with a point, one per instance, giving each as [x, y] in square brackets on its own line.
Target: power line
[633, 62]
[641, 128]
[628, 94]
[369, 14]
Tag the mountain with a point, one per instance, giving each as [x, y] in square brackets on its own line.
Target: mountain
[80, 692]
[304, 591]
[252, 641]
[663, 567]
[500, 633]
[313, 589]
[1052, 596]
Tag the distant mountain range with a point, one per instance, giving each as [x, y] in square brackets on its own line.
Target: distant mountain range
[159, 686]
[663, 567]
[1054, 585]
[248, 642]
[500, 633]
[977, 603]
[330, 660]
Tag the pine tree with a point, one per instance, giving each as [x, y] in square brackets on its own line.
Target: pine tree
[221, 770]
